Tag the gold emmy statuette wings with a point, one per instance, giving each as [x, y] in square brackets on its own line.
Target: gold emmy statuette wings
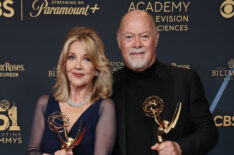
[175, 118]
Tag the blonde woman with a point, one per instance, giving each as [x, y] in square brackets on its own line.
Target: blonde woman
[81, 92]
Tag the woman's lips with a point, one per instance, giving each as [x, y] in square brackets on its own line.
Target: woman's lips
[78, 74]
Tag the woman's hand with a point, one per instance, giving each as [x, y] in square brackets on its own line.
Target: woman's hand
[63, 152]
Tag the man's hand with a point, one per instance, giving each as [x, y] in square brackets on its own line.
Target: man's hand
[167, 148]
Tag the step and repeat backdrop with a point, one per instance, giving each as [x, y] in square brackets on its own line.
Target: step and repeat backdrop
[194, 34]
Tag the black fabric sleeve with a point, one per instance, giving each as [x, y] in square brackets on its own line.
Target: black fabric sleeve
[106, 129]
[38, 127]
[205, 135]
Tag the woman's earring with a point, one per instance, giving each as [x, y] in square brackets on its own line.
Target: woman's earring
[97, 74]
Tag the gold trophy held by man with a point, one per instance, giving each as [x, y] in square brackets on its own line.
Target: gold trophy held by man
[153, 107]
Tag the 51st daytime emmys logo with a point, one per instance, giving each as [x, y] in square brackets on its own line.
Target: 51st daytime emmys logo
[170, 15]
[226, 9]
[6, 8]
[9, 128]
[63, 7]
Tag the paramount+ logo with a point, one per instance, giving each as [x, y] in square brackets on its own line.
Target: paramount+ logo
[6, 8]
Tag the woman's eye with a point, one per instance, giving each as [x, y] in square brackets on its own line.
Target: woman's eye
[86, 59]
[70, 57]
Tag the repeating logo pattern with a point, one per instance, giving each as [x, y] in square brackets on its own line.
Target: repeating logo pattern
[226, 9]
[9, 128]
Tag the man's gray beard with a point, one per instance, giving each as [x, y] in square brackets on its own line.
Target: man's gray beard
[137, 62]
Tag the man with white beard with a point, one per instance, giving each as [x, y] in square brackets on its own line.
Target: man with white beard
[144, 76]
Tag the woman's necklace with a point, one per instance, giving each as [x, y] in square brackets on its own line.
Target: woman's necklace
[78, 104]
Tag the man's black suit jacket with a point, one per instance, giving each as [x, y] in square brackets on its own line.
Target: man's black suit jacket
[195, 131]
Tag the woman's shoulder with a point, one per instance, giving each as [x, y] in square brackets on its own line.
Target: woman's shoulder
[43, 101]
[107, 104]
[107, 101]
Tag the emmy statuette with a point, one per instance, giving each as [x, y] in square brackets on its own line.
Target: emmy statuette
[153, 107]
[58, 122]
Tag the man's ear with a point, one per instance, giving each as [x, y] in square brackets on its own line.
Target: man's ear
[118, 38]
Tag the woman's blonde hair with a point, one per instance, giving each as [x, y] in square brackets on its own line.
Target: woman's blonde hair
[102, 84]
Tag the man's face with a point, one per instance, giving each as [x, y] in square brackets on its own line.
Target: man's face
[137, 39]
